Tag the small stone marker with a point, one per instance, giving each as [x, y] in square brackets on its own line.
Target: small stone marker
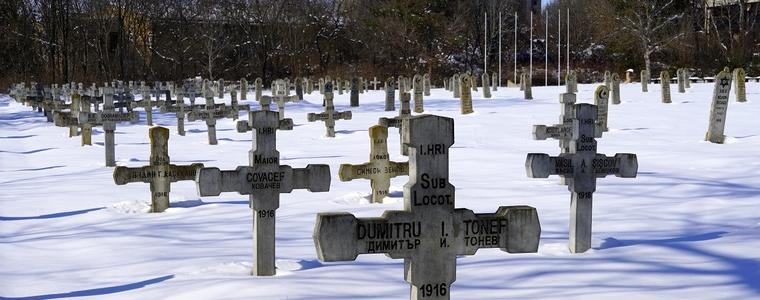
[581, 168]
[418, 92]
[645, 81]
[403, 114]
[380, 169]
[179, 109]
[390, 95]
[665, 84]
[571, 82]
[264, 179]
[740, 78]
[426, 84]
[465, 102]
[281, 95]
[160, 173]
[528, 88]
[258, 86]
[430, 232]
[329, 116]
[680, 78]
[455, 81]
[339, 85]
[719, 108]
[374, 83]
[601, 99]
[615, 89]
[354, 92]
[486, 88]
[495, 81]
[243, 89]
[608, 80]
[146, 103]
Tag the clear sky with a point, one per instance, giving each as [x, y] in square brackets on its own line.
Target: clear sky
[544, 2]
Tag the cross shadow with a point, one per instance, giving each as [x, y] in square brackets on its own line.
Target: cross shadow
[51, 216]
[96, 291]
[198, 202]
[17, 136]
[28, 152]
[36, 169]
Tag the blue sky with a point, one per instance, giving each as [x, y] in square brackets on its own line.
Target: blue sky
[544, 2]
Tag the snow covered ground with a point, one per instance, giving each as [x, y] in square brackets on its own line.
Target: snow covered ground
[687, 227]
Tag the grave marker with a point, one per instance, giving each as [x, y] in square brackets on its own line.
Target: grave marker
[740, 78]
[665, 84]
[465, 102]
[417, 85]
[601, 99]
[581, 168]
[528, 87]
[380, 169]
[426, 84]
[615, 89]
[329, 116]
[390, 95]
[264, 179]
[645, 81]
[719, 108]
[160, 173]
[430, 232]
[108, 118]
[354, 92]
[486, 88]
[680, 79]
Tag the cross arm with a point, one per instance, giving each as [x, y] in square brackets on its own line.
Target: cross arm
[540, 165]
[342, 237]
[123, 175]
[513, 229]
[311, 117]
[213, 181]
[63, 119]
[179, 173]
[623, 165]
[348, 172]
[314, 178]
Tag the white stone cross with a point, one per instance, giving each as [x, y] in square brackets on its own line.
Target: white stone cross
[329, 116]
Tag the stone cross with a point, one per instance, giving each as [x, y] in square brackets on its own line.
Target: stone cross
[465, 101]
[146, 103]
[329, 116]
[718, 108]
[299, 88]
[680, 78]
[374, 82]
[243, 89]
[645, 81]
[354, 92]
[665, 84]
[321, 86]
[339, 85]
[390, 95]
[418, 92]
[235, 107]
[264, 179]
[430, 232]
[309, 85]
[562, 131]
[581, 167]
[571, 82]
[403, 114]
[380, 169]
[71, 119]
[210, 113]
[522, 80]
[280, 94]
[108, 118]
[602, 100]
[528, 87]
[494, 81]
[426, 84]
[740, 78]
[258, 87]
[486, 88]
[160, 173]
[615, 89]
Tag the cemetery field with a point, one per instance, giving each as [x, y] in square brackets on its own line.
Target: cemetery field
[687, 227]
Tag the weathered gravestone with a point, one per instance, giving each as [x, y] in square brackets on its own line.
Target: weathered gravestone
[571, 82]
[374, 83]
[281, 95]
[71, 119]
[339, 86]
[719, 108]
[160, 173]
[665, 84]
[220, 88]
[390, 95]
[486, 88]
[494, 81]
[740, 78]
[680, 78]
[108, 118]
[243, 89]
[602, 100]
[210, 113]
[380, 169]
[581, 167]
[146, 103]
[417, 86]
[430, 232]
[258, 86]
[396, 122]
[528, 87]
[465, 101]
[299, 88]
[645, 81]
[235, 108]
[180, 110]
[608, 80]
[615, 89]
[329, 116]
[263, 180]
[354, 92]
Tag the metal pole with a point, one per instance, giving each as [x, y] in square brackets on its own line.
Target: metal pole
[515, 73]
[559, 47]
[568, 40]
[530, 72]
[499, 49]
